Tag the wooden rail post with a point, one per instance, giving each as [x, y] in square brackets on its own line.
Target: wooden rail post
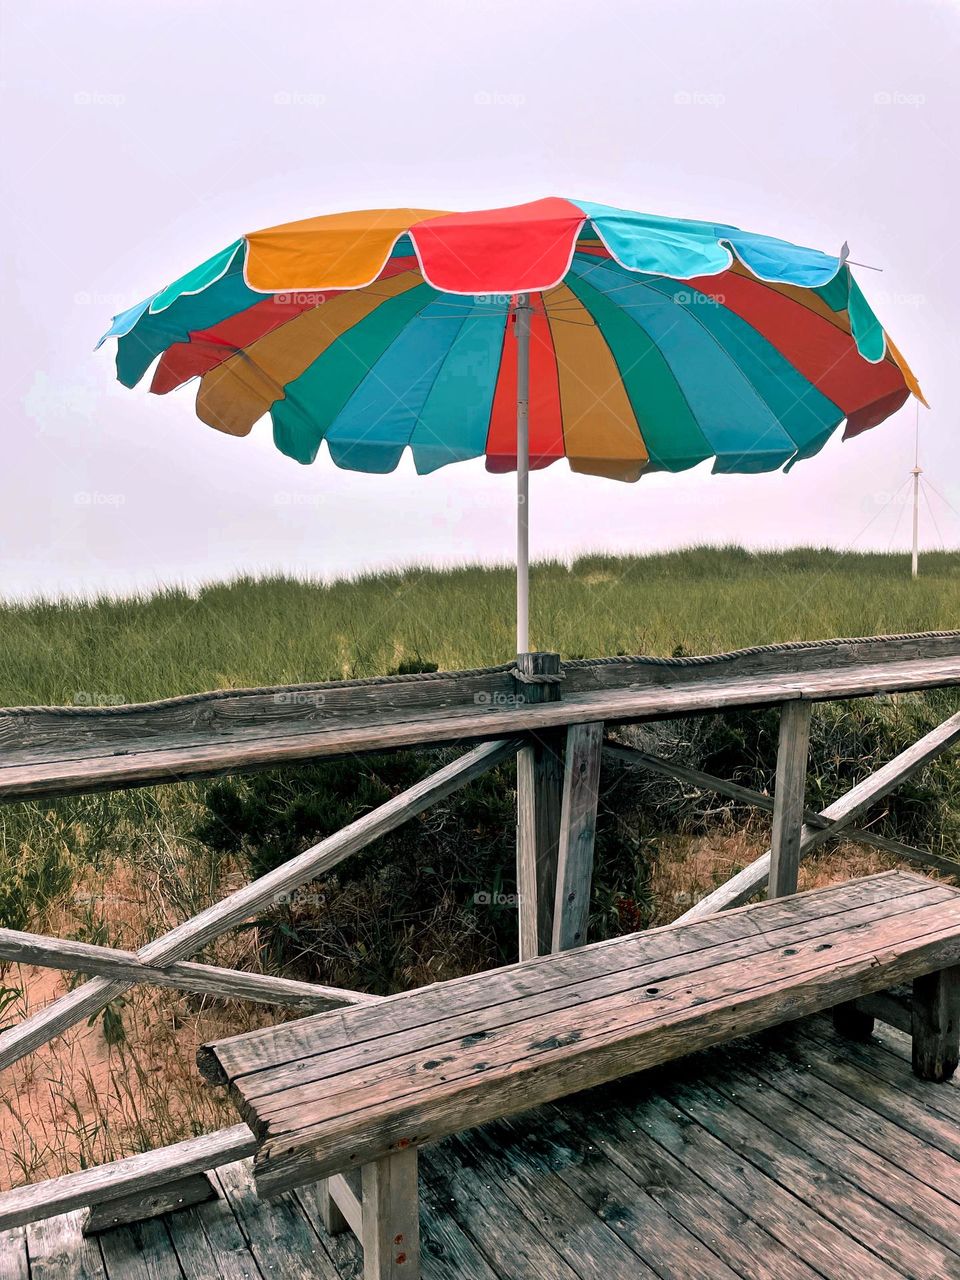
[539, 784]
[578, 829]
[788, 797]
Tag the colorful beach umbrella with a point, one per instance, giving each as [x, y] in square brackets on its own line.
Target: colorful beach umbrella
[643, 343]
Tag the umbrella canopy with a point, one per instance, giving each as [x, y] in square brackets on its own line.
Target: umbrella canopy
[656, 343]
[648, 343]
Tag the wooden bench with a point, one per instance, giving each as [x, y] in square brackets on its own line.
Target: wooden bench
[348, 1096]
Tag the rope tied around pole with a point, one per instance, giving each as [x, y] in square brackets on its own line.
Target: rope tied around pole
[539, 677]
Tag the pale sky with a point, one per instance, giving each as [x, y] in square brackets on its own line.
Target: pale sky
[140, 138]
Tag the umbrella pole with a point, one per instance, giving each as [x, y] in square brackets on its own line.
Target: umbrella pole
[523, 473]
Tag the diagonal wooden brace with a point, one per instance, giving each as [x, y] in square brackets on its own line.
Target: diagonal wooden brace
[747, 795]
[741, 887]
[87, 1000]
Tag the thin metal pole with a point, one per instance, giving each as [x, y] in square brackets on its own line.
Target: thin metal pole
[915, 561]
[916, 473]
[523, 472]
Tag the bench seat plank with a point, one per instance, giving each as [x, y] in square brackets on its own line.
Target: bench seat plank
[425, 1007]
[342, 1088]
[290, 1084]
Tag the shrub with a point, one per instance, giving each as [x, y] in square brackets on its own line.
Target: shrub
[432, 899]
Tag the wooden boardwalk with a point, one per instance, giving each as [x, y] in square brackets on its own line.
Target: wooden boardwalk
[789, 1156]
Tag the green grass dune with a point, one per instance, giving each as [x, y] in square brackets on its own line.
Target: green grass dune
[280, 630]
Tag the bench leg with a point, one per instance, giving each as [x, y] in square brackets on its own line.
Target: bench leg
[390, 1232]
[936, 1024]
[849, 1020]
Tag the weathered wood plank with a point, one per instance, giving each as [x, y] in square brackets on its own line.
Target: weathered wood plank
[935, 1024]
[888, 1058]
[281, 1240]
[531, 1064]
[751, 879]
[641, 974]
[590, 1015]
[390, 1217]
[58, 1251]
[13, 1254]
[340, 1203]
[771, 1068]
[708, 1219]
[139, 1252]
[631, 756]
[130, 1176]
[331, 1215]
[788, 801]
[417, 1015]
[200, 750]
[539, 789]
[539, 783]
[506, 1236]
[184, 975]
[344, 1247]
[500, 1160]
[421, 1018]
[179, 1193]
[935, 1217]
[208, 1242]
[817, 1183]
[447, 1251]
[56, 731]
[578, 829]
[752, 1189]
[285, 708]
[187, 938]
[904, 1104]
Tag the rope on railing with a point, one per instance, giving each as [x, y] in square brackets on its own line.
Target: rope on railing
[700, 660]
[538, 677]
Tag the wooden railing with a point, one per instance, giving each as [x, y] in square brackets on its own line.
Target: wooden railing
[550, 715]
